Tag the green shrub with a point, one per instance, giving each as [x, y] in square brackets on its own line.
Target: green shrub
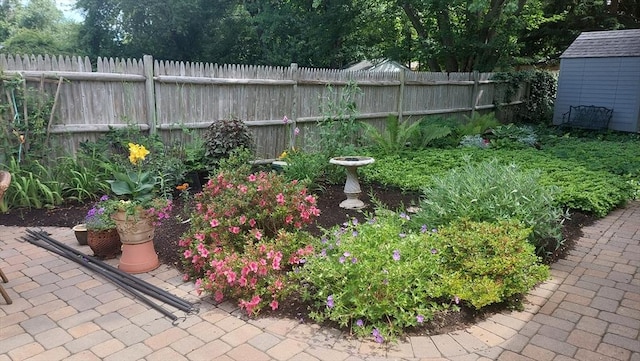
[491, 192]
[477, 124]
[313, 169]
[512, 136]
[488, 262]
[589, 191]
[394, 138]
[32, 186]
[538, 104]
[380, 276]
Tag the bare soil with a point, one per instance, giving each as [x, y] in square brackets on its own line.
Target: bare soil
[168, 234]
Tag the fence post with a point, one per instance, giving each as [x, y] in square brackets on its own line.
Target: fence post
[401, 95]
[149, 83]
[295, 73]
[474, 92]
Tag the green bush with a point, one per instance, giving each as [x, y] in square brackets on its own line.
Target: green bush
[512, 136]
[488, 262]
[380, 276]
[32, 186]
[313, 169]
[581, 187]
[490, 191]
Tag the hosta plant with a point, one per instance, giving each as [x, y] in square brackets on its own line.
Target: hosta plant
[245, 236]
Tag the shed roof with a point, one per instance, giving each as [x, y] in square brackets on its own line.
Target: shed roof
[377, 65]
[604, 44]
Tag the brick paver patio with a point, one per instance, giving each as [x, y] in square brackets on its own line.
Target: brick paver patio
[588, 310]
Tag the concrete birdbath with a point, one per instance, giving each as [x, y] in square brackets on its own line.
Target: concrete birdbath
[352, 186]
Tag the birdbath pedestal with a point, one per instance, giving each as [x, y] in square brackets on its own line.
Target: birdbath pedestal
[352, 186]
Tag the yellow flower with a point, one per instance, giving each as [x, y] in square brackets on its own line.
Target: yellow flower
[137, 153]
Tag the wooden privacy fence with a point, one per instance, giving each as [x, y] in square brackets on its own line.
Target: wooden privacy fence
[165, 96]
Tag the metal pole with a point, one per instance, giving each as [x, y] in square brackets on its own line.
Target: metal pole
[111, 277]
[133, 281]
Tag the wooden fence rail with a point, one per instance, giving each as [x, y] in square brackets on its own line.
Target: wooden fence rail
[162, 96]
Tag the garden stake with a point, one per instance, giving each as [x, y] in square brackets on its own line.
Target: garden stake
[85, 262]
[135, 282]
[111, 273]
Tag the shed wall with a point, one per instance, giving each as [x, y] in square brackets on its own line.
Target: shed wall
[608, 82]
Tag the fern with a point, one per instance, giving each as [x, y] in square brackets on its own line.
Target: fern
[396, 136]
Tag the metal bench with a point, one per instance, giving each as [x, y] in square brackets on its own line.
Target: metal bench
[587, 117]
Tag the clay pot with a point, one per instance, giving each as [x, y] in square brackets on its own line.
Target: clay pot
[136, 233]
[134, 229]
[105, 244]
[138, 258]
[80, 231]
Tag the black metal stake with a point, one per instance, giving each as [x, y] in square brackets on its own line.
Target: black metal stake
[138, 284]
[111, 277]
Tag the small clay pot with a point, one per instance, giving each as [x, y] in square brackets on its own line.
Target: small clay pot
[80, 230]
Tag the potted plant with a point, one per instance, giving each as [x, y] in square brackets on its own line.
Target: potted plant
[136, 210]
[102, 236]
[80, 231]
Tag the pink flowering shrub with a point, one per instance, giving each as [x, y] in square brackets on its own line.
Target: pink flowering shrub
[245, 237]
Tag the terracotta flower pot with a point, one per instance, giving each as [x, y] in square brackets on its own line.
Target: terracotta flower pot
[136, 233]
[105, 244]
[138, 258]
[134, 229]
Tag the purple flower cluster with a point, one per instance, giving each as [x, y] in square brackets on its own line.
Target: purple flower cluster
[377, 336]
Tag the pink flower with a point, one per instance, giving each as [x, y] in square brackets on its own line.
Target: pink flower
[202, 249]
[280, 199]
[253, 266]
[214, 223]
[278, 284]
[187, 253]
[231, 277]
[218, 296]
[234, 229]
[242, 219]
[251, 177]
[199, 237]
[257, 234]
[252, 222]
[274, 305]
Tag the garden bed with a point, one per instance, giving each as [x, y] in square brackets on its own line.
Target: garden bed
[169, 232]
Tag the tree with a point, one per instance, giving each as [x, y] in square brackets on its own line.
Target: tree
[465, 35]
[566, 19]
[38, 27]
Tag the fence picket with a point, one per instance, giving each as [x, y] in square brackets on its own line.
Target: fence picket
[193, 95]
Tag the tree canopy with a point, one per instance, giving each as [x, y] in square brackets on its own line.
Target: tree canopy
[38, 27]
[439, 35]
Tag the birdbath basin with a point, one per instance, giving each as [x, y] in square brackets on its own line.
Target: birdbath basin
[352, 186]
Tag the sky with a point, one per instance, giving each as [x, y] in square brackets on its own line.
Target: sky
[66, 7]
